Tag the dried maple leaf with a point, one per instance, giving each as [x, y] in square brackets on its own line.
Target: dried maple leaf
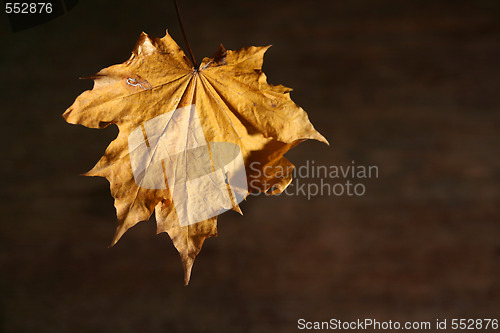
[187, 137]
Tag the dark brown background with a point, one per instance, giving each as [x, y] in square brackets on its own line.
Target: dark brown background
[410, 86]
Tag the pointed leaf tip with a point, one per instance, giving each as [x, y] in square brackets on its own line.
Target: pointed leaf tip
[187, 265]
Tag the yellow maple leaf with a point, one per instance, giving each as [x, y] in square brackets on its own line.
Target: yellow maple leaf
[188, 136]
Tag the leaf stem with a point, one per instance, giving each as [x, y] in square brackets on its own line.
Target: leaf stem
[184, 34]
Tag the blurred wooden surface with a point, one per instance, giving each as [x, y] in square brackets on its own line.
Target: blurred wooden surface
[409, 86]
